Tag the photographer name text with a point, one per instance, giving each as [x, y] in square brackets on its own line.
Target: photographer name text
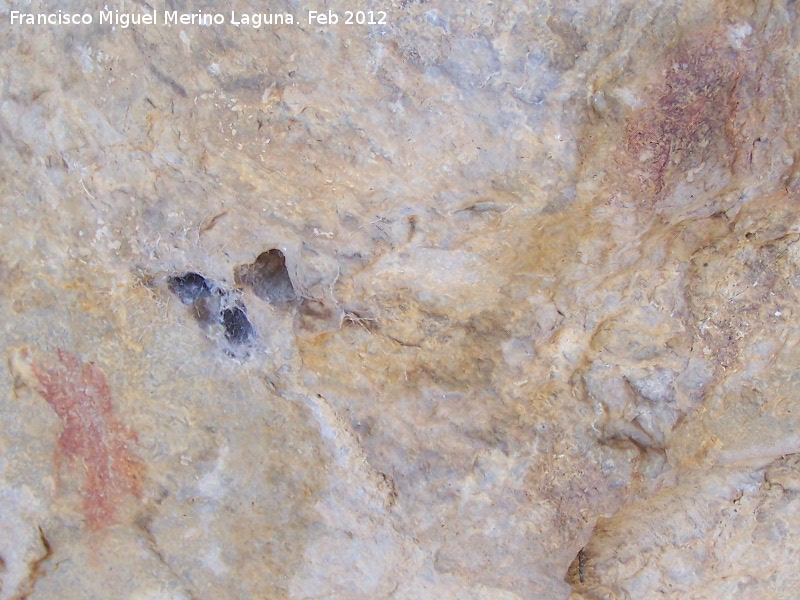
[169, 18]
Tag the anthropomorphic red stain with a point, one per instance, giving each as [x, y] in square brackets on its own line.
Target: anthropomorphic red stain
[92, 435]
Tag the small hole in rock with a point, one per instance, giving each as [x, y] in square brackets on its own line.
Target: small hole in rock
[238, 329]
[268, 278]
[189, 287]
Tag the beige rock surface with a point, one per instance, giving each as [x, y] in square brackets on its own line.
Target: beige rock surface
[499, 301]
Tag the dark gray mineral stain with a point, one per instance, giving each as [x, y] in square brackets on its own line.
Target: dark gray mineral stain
[212, 306]
[189, 287]
[238, 329]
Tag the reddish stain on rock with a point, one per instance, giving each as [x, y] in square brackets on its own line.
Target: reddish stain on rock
[79, 394]
[689, 119]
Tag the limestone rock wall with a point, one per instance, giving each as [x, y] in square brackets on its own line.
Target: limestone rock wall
[489, 300]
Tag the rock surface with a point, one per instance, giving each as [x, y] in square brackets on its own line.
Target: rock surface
[489, 301]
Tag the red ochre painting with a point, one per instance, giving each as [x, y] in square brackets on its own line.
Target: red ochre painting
[93, 437]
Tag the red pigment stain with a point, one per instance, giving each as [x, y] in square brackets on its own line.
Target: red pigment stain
[689, 119]
[79, 394]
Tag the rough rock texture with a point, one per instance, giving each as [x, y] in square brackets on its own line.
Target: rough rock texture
[491, 301]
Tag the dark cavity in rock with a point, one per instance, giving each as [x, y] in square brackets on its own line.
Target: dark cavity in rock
[238, 329]
[268, 278]
[213, 307]
[189, 287]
